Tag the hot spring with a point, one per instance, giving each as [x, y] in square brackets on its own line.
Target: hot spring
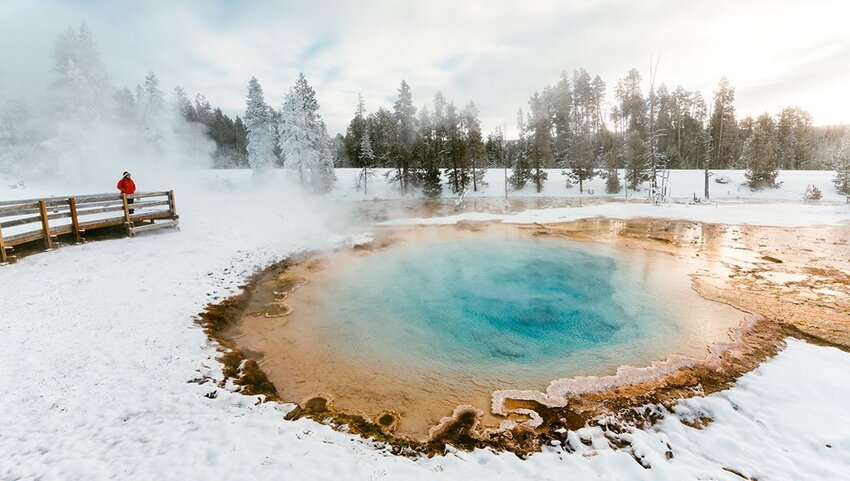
[433, 322]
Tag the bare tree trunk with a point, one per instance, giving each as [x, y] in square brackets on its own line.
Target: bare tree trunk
[474, 182]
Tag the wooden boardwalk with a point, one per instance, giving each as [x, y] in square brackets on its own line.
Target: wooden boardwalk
[30, 220]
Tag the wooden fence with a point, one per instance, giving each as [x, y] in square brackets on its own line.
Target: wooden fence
[30, 220]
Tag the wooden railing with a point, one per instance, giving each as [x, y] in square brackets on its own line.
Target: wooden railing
[30, 220]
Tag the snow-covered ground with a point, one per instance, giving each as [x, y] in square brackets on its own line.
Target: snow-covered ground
[683, 184]
[98, 344]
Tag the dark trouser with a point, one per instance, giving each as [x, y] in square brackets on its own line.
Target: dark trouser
[130, 202]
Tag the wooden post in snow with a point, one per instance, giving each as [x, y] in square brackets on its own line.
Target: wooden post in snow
[75, 222]
[3, 258]
[173, 207]
[127, 223]
[45, 226]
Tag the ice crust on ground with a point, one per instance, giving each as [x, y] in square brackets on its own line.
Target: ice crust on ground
[98, 343]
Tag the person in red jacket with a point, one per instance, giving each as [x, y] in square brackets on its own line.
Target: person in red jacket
[127, 186]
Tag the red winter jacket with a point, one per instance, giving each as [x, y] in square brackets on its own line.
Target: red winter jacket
[126, 186]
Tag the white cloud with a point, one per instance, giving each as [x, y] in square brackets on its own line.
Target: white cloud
[495, 53]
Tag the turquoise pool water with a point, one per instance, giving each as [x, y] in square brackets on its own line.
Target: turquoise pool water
[492, 305]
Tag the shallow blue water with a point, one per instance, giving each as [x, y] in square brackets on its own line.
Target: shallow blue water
[487, 302]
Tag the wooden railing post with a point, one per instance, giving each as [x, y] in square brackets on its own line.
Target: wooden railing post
[127, 223]
[3, 258]
[75, 222]
[171, 205]
[45, 226]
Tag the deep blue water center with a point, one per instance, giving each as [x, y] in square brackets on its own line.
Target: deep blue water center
[488, 302]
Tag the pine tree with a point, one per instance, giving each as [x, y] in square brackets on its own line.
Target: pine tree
[382, 131]
[633, 114]
[586, 122]
[521, 170]
[323, 176]
[540, 141]
[304, 139]
[341, 159]
[355, 131]
[181, 105]
[427, 156]
[636, 154]
[260, 132]
[153, 110]
[609, 157]
[440, 142]
[842, 166]
[240, 142]
[562, 101]
[203, 109]
[474, 148]
[582, 168]
[723, 126]
[457, 171]
[366, 161]
[405, 133]
[82, 91]
[760, 154]
[794, 138]
[494, 149]
[632, 106]
[154, 98]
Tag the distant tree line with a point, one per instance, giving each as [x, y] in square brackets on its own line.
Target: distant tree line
[570, 126]
[417, 146]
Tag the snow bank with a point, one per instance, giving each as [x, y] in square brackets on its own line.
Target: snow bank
[98, 343]
[786, 215]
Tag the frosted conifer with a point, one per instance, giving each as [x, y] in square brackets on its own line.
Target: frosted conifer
[260, 132]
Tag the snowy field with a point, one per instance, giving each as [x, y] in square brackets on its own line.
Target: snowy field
[683, 185]
[98, 344]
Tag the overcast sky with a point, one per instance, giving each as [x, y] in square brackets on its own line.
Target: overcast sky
[495, 53]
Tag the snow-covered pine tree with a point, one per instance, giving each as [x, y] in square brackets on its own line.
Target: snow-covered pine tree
[322, 172]
[203, 109]
[842, 167]
[82, 91]
[260, 146]
[366, 161]
[341, 159]
[297, 141]
[304, 140]
[181, 105]
[760, 154]
[154, 120]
